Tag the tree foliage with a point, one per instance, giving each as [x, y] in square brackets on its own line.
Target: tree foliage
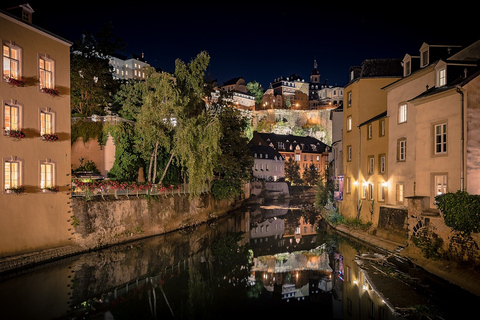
[127, 159]
[92, 84]
[292, 171]
[311, 175]
[255, 88]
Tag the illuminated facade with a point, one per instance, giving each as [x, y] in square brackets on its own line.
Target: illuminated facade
[35, 141]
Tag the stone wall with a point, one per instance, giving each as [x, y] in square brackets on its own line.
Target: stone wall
[392, 223]
[99, 223]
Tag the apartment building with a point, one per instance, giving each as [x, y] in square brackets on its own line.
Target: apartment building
[35, 140]
[433, 111]
[364, 137]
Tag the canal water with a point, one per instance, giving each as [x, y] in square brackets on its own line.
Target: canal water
[261, 261]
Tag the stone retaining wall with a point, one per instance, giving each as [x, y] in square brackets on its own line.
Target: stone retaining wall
[99, 223]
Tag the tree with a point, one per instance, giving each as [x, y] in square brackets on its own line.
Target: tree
[234, 164]
[311, 175]
[127, 160]
[92, 84]
[175, 119]
[256, 89]
[292, 171]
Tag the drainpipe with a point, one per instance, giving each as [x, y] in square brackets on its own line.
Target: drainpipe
[462, 139]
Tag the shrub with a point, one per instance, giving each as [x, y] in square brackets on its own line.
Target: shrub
[461, 211]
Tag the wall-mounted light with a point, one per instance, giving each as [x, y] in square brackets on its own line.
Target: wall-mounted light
[385, 184]
[355, 183]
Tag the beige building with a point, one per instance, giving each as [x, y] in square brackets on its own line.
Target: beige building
[363, 143]
[433, 137]
[35, 140]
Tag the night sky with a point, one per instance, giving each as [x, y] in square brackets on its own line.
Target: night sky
[261, 42]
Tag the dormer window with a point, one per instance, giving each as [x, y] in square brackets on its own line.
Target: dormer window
[407, 65]
[424, 56]
[441, 77]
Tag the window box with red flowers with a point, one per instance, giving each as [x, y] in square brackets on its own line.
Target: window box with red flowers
[15, 82]
[50, 189]
[16, 190]
[52, 92]
[50, 137]
[14, 134]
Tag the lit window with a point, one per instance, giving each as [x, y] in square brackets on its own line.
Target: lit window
[400, 195]
[46, 122]
[46, 175]
[440, 184]
[12, 174]
[46, 68]
[441, 77]
[11, 61]
[441, 138]
[11, 117]
[402, 113]
[349, 123]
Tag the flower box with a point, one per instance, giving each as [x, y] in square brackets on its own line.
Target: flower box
[15, 82]
[50, 137]
[53, 92]
[50, 189]
[14, 134]
[16, 190]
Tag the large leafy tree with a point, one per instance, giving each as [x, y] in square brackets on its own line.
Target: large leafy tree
[234, 164]
[292, 171]
[255, 88]
[92, 84]
[311, 175]
[174, 119]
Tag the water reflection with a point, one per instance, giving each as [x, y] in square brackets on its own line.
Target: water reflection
[259, 261]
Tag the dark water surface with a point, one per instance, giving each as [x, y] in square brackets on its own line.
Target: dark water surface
[259, 262]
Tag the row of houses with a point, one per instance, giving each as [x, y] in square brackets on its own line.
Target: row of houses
[408, 129]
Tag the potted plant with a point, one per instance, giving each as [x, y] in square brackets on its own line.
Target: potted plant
[50, 91]
[15, 134]
[50, 189]
[15, 82]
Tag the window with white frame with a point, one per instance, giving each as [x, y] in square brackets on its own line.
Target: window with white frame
[440, 138]
[382, 128]
[371, 164]
[47, 121]
[349, 153]
[46, 68]
[369, 131]
[47, 174]
[11, 61]
[400, 193]
[364, 190]
[402, 113]
[441, 77]
[440, 184]
[12, 173]
[402, 149]
[349, 123]
[348, 186]
[382, 163]
[381, 192]
[11, 116]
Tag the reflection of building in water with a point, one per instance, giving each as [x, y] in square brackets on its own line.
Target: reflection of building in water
[295, 275]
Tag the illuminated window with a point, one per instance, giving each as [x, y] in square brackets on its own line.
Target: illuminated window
[382, 161]
[12, 173]
[441, 77]
[440, 184]
[349, 123]
[400, 195]
[47, 174]
[402, 113]
[46, 68]
[11, 61]
[371, 164]
[402, 149]
[46, 122]
[11, 117]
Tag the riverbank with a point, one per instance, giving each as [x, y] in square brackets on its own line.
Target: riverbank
[462, 276]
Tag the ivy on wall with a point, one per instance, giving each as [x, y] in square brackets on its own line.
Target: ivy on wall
[461, 211]
[89, 130]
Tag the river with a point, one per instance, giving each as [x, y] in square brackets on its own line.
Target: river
[260, 261]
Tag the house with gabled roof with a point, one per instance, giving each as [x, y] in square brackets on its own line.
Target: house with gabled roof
[305, 150]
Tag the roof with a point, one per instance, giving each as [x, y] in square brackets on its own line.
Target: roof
[378, 116]
[290, 142]
[265, 150]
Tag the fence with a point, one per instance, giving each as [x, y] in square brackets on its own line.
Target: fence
[92, 190]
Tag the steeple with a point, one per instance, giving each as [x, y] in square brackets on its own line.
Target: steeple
[315, 76]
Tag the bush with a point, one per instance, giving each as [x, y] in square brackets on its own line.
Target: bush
[461, 211]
